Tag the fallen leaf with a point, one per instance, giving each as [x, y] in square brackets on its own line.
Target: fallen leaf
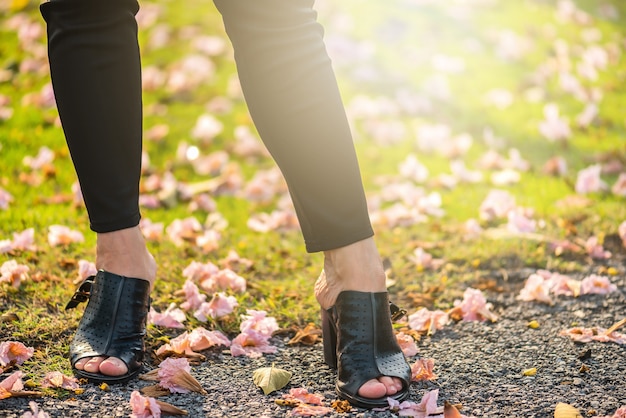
[533, 324]
[307, 336]
[270, 378]
[530, 372]
[169, 409]
[341, 406]
[104, 386]
[564, 410]
[154, 391]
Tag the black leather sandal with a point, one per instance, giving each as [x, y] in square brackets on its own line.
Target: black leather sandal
[359, 342]
[113, 324]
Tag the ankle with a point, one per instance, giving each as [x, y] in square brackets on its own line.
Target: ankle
[354, 267]
[124, 252]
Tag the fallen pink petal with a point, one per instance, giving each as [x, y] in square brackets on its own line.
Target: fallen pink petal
[59, 380]
[143, 407]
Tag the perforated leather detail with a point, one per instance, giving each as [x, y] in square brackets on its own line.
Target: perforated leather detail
[359, 341]
[114, 321]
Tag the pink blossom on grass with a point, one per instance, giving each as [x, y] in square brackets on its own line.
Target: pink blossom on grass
[44, 157]
[62, 235]
[143, 406]
[256, 330]
[5, 199]
[224, 279]
[497, 204]
[472, 229]
[278, 220]
[24, 241]
[536, 288]
[589, 181]
[407, 344]
[554, 128]
[619, 187]
[168, 370]
[193, 297]
[428, 321]
[59, 380]
[14, 273]
[13, 382]
[152, 231]
[201, 339]
[518, 222]
[86, 269]
[422, 369]
[14, 352]
[35, 412]
[424, 260]
[207, 127]
[234, 262]
[219, 306]
[208, 240]
[413, 170]
[595, 249]
[474, 306]
[172, 317]
[595, 284]
[198, 272]
[181, 230]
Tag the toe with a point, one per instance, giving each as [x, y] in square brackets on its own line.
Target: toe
[93, 364]
[113, 366]
[373, 389]
[80, 364]
[390, 384]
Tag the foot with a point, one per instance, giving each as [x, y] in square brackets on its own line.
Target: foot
[356, 267]
[121, 252]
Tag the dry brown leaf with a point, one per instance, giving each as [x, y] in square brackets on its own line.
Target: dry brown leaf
[154, 391]
[183, 379]
[564, 410]
[292, 403]
[341, 406]
[169, 409]
[307, 336]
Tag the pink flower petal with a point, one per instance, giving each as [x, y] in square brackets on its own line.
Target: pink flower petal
[143, 407]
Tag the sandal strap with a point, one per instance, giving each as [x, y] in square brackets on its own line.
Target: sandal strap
[82, 294]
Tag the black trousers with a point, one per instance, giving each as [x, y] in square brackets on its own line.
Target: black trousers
[288, 84]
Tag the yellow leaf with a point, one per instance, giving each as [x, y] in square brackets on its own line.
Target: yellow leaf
[533, 324]
[564, 410]
[104, 386]
[530, 372]
[612, 271]
[270, 378]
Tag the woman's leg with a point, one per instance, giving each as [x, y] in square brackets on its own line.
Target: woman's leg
[95, 70]
[292, 95]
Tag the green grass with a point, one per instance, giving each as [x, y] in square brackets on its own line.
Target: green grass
[404, 38]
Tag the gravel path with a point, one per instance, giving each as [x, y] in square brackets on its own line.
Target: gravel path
[479, 365]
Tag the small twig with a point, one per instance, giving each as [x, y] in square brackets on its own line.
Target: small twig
[615, 327]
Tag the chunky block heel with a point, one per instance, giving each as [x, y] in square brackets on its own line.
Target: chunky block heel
[359, 342]
[113, 324]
